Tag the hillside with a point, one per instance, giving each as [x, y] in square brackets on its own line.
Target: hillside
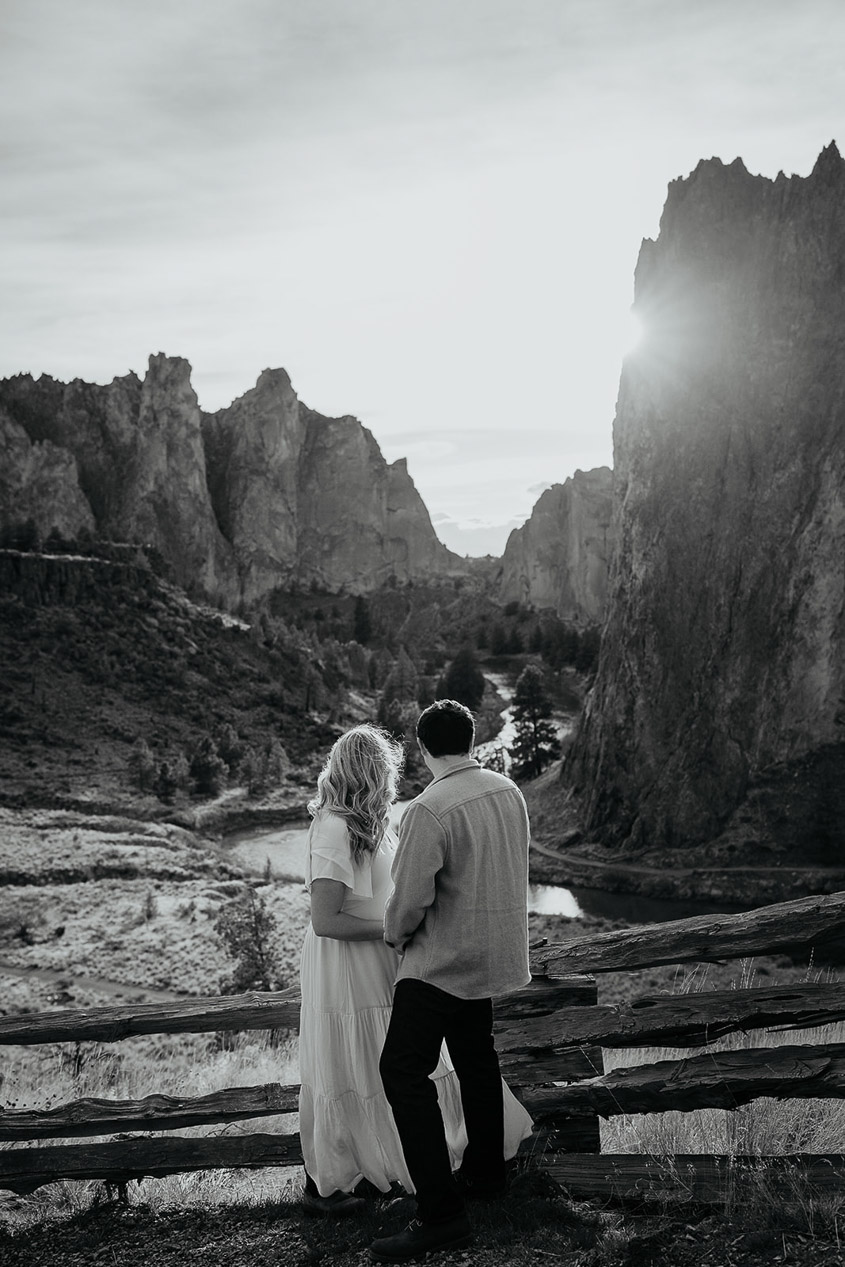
[97, 654]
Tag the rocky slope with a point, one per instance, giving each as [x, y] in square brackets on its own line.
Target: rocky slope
[261, 494]
[559, 557]
[717, 714]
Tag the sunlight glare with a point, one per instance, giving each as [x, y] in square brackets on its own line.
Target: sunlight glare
[632, 332]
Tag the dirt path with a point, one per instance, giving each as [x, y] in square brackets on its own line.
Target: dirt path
[117, 989]
[633, 868]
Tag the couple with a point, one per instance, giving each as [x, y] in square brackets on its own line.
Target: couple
[406, 948]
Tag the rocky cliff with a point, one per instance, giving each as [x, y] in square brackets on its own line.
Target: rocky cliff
[37, 474]
[559, 557]
[261, 494]
[717, 714]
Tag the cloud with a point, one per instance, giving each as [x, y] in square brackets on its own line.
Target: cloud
[428, 212]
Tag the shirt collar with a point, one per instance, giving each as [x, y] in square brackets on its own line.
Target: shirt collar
[469, 764]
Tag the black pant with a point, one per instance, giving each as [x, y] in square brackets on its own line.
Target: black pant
[422, 1017]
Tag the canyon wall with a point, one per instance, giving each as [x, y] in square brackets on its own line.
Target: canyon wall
[718, 709]
[262, 494]
[559, 558]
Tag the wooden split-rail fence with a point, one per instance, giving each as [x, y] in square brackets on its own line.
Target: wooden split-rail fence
[550, 1038]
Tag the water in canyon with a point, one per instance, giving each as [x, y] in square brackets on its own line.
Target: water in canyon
[282, 850]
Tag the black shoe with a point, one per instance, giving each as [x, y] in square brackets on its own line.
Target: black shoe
[479, 1189]
[419, 1239]
[336, 1205]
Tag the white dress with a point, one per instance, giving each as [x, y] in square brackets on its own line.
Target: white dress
[345, 1122]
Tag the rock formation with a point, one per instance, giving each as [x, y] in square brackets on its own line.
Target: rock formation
[36, 474]
[559, 557]
[717, 713]
[139, 452]
[262, 494]
[252, 452]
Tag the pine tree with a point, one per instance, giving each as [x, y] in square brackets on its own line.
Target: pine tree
[251, 772]
[230, 747]
[142, 766]
[167, 781]
[208, 770]
[514, 644]
[276, 763]
[536, 743]
[498, 639]
[463, 680]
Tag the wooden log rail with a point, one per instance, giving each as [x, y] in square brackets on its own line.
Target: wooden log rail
[682, 1020]
[804, 923]
[722, 1080]
[625, 1177]
[278, 1009]
[704, 938]
[547, 1033]
[714, 1080]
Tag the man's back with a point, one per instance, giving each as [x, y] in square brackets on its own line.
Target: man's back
[461, 876]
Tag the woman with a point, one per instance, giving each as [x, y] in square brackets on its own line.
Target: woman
[347, 976]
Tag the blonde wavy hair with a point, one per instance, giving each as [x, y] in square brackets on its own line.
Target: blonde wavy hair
[359, 781]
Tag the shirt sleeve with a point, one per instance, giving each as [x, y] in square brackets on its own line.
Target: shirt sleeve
[330, 858]
[421, 854]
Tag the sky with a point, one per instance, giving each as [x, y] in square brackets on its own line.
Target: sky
[427, 211]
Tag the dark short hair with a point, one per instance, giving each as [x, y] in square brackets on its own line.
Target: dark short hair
[446, 728]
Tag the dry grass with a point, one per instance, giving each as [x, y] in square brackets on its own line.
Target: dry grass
[180, 1065]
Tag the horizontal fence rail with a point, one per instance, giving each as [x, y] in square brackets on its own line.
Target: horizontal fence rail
[154, 1112]
[119, 1161]
[550, 1037]
[687, 1020]
[273, 1009]
[715, 1080]
[803, 923]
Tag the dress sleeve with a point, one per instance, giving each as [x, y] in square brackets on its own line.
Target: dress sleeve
[330, 858]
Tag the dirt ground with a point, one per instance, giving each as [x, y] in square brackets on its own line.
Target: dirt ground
[534, 1226]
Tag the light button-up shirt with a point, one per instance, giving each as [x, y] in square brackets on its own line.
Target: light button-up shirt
[459, 910]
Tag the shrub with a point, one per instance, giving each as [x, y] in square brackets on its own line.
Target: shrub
[249, 931]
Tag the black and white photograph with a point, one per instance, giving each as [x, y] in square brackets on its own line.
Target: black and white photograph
[422, 633]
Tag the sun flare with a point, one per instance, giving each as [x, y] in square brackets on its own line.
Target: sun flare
[632, 332]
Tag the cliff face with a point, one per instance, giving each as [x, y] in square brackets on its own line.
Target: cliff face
[559, 557]
[252, 451]
[302, 498]
[138, 449]
[34, 475]
[262, 494]
[717, 713]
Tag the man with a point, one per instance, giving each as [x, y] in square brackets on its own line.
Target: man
[459, 919]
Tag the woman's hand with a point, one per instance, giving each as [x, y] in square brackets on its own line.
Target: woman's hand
[329, 920]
